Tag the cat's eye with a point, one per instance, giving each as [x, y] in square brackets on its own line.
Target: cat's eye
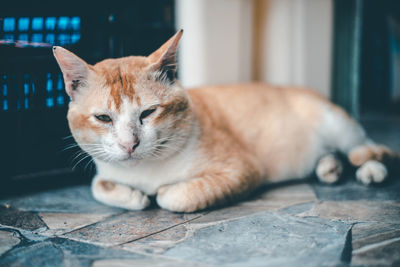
[145, 114]
[103, 118]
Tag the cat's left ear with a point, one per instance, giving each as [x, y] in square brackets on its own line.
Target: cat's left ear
[75, 70]
[164, 58]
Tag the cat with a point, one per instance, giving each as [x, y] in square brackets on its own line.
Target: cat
[195, 149]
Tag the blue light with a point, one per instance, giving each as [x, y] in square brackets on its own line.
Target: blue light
[23, 37]
[63, 23]
[26, 91]
[8, 37]
[26, 84]
[9, 24]
[75, 23]
[49, 102]
[26, 88]
[51, 23]
[75, 37]
[63, 39]
[5, 91]
[49, 86]
[60, 100]
[37, 24]
[50, 38]
[23, 24]
[5, 104]
[37, 37]
[59, 82]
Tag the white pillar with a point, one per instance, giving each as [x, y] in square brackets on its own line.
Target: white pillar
[217, 41]
[297, 38]
[293, 42]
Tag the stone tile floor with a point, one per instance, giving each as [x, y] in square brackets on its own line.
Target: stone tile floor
[292, 224]
[287, 224]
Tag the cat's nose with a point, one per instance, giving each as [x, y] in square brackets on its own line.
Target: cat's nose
[130, 146]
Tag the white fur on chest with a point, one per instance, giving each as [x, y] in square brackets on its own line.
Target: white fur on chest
[149, 176]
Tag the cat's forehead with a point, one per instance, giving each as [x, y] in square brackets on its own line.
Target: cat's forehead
[123, 78]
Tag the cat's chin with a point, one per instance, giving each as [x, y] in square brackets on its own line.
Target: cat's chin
[123, 160]
[128, 162]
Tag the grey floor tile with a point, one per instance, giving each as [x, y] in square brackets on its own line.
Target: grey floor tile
[8, 239]
[61, 252]
[280, 195]
[21, 219]
[78, 254]
[129, 226]
[355, 211]
[376, 244]
[160, 242]
[76, 199]
[43, 254]
[352, 190]
[268, 239]
[147, 262]
[385, 253]
[60, 223]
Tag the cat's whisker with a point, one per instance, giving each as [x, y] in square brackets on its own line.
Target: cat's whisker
[77, 160]
[74, 145]
[90, 163]
[167, 148]
[85, 157]
[76, 155]
[79, 155]
[69, 147]
[67, 137]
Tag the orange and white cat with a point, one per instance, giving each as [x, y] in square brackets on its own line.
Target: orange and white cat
[198, 148]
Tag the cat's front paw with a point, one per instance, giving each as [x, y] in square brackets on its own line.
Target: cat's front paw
[175, 198]
[119, 195]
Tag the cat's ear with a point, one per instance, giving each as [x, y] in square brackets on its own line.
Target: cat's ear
[74, 69]
[164, 58]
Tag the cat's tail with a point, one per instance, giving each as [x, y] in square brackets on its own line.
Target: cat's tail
[373, 161]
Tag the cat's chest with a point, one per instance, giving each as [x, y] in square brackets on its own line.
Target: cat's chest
[150, 176]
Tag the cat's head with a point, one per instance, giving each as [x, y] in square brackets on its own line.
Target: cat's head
[127, 109]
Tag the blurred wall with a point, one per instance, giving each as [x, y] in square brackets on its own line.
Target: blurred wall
[277, 41]
[216, 44]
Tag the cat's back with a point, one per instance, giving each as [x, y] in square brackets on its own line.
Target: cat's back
[252, 102]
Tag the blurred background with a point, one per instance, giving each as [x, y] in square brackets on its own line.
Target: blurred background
[348, 50]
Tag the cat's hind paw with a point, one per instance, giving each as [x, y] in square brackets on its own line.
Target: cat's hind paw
[329, 169]
[371, 172]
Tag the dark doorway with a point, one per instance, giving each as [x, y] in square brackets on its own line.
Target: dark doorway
[380, 57]
[33, 103]
[366, 70]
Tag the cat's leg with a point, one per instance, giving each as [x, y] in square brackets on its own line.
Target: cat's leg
[207, 190]
[118, 195]
[329, 169]
[372, 161]
[342, 133]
